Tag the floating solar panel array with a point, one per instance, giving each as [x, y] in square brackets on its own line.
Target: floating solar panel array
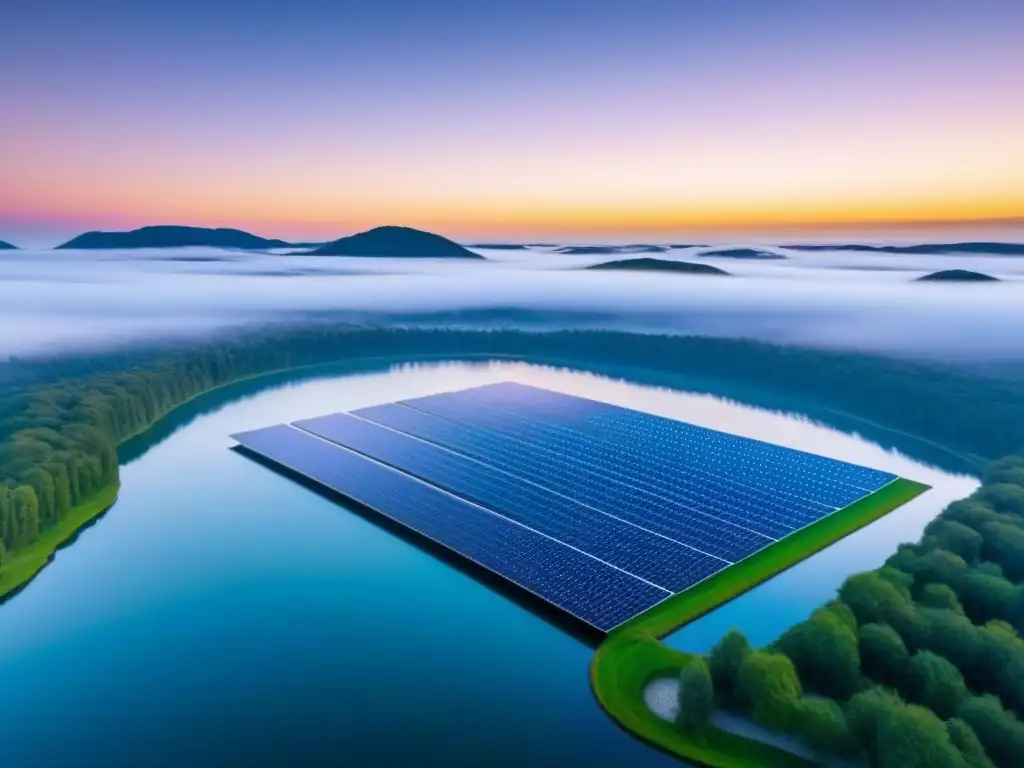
[601, 510]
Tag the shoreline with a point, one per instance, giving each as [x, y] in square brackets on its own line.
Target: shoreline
[632, 655]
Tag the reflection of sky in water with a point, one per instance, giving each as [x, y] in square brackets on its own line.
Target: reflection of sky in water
[868, 301]
[762, 613]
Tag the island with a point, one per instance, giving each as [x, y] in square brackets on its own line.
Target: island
[958, 276]
[646, 264]
[5, 246]
[996, 249]
[398, 243]
[743, 253]
[594, 250]
[167, 236]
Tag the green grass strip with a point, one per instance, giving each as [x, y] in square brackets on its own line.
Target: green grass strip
[632, 655]
[22, 564]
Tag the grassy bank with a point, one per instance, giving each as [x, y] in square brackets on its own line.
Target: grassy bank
[24, 563]
[632, 655]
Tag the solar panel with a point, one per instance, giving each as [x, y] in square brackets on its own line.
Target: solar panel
[598, 509]
[744, 505]
[658, 559]
[580, 584]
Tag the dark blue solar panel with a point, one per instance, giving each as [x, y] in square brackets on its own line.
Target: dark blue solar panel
[739, 454]
[661, 560]
[601, 510]
[610, 492]
[749, 507]
[736, 469]
[581, 584]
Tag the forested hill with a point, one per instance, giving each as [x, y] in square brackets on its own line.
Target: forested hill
[1001, 249]
[647, 264]
[5, 246]
[958, 276]
[172, 237]
[62, 422]
[397, 243]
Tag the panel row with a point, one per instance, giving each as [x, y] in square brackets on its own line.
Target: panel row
[783, 470]
[684, 516]
[658, 559]
[750, 508]
[831, 470]
[727, 457]
[593, 591]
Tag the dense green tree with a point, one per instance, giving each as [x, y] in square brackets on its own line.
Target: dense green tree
[989, 568]
[767, 684]
[940, 596]
[877, 600]
[972, 513]
[696, 695]
[843, 612]
[901, 559]
[824, 650]
[8, 531]
[986, 597]
[1016, 612]
[26, 514]
[1004, 544]
[821, 724]
[901, 579]
[913, 737]
[937, 683]
[1003, 497]
[955, 537]
[966, 741]
[3, 551]
[724, 662]
[938, 567]
[999, 731]
[1009, 469]
[865, 713]
[884, 657]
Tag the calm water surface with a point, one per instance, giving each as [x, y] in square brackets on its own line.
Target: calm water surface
[221, 614]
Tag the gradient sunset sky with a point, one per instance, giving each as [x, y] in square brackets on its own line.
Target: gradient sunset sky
[511, 120]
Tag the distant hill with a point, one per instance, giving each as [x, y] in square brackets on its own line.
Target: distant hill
[604, 250]
[643, 248]
[959, 276]
[743, 253]
[999, 249]
[5, 246]
[397, 242]
[589, 250]
[173, 237]
[502, 246]
[659, 265]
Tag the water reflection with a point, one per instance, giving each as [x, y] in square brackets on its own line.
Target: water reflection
[221, 612]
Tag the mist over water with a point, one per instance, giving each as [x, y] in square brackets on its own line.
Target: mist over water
[56, 300]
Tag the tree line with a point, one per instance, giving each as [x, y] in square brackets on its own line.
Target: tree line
[919, 664]
[62, 418]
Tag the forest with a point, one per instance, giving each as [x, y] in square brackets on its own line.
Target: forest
[919, 664]
[62, 419]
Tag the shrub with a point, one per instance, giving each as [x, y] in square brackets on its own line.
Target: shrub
[696, 695]
[724, 663]
[768, 686]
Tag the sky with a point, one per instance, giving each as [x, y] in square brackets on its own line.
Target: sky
[581, 121]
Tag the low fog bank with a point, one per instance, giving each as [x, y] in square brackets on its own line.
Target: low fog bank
[51, 301]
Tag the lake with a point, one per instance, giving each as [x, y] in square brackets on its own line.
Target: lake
[223, 614]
